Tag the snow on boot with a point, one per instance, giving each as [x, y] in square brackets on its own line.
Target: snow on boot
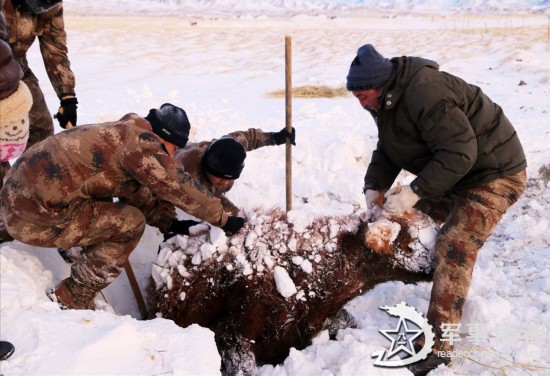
[70, 294]
[6, 349]
[431, 362]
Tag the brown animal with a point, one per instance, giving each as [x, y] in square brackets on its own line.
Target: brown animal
[279, 282]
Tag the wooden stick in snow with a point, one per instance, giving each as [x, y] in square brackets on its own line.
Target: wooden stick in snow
[288, 112]
[135, 289]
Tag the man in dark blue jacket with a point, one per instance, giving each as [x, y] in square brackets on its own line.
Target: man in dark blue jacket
[468, 162]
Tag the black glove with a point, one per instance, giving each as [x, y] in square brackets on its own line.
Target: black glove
[66, 115]
[233, 225]
[280, 137]
[179, 228]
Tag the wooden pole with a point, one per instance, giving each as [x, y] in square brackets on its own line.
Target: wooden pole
[135, 289]
[288, 118]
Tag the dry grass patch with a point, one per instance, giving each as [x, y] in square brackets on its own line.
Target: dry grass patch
[311, 91]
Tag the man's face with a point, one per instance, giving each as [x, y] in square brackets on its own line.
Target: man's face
[368, 98]
[218, 183]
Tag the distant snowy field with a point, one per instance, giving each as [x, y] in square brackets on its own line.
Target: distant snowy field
[288, 8]
[218, 60]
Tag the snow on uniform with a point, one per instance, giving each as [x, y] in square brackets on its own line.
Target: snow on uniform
[49, 27]
[55, 194]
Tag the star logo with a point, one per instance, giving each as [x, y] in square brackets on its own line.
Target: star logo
[403, 336]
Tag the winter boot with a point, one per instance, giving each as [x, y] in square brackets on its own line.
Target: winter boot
[6, 349]
[341, 320]
[70, 294]
[431, 362]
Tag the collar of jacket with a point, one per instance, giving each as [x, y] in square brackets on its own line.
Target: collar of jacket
[393, 90]
[405, 68]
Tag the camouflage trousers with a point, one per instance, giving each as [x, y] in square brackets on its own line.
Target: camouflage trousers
[469, 217]
[107, 231]
[40, 118]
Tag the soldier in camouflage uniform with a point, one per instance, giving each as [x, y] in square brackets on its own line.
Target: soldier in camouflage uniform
[57, 194]
[28, 20]
[216, 165]
[468, 161]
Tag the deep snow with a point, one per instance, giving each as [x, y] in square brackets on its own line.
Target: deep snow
[220, 70]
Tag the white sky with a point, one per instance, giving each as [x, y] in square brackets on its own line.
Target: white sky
[220, 71]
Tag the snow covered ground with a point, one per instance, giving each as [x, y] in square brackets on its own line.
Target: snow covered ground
[220, 71]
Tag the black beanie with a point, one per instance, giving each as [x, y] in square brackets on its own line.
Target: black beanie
[170, 122]
[37, 6]
[369, 70]
[224, 158]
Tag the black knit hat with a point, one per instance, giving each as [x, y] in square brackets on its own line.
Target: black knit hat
[369, 70]
[38, 6]
[170, 122]
[224, 158]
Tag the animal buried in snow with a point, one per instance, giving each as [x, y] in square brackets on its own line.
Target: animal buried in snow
[282, 279]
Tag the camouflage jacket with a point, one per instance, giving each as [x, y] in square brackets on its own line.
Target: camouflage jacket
[49, 27]
[191, 159]
[10, 72]
[101, 161]
[160, 213]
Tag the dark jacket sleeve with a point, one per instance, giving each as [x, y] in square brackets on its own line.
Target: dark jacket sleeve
[381, 172]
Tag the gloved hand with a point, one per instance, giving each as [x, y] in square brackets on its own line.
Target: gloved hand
[370, 197]
[179, 227]
[233, 225]
[66, 115]
[400, 199]
[280, 137]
